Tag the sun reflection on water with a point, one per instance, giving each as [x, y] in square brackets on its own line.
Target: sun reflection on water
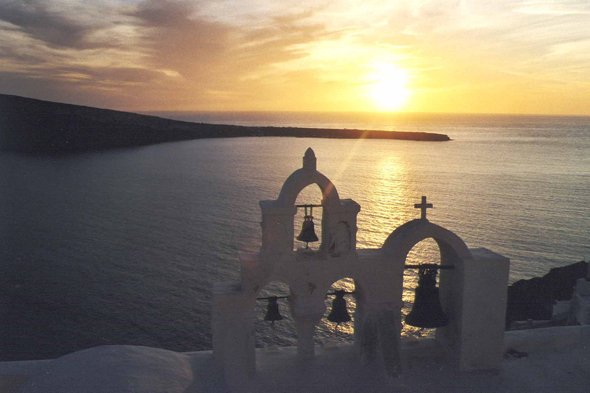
[386, 196]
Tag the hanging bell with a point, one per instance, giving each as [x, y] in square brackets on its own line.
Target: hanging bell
[307, 229]
[427, 311]
[272, 311]
[339, 313]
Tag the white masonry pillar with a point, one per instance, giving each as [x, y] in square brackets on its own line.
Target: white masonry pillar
[482, 314]
[305, 326]
[233, 333]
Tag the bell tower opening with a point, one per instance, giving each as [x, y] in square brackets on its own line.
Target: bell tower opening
[337, 324]
[307, 223]
[426, 251]
[274, 324]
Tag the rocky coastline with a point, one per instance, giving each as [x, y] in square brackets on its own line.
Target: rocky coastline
[533, 299]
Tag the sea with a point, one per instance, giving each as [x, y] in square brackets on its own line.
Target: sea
[123, 246]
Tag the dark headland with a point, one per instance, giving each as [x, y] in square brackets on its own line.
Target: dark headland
[41, 127]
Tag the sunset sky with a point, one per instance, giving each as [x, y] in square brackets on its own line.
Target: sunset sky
[464, 56]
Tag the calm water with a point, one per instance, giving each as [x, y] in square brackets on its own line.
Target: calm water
[121, 247]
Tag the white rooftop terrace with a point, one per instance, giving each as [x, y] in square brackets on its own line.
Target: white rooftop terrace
[558, 360]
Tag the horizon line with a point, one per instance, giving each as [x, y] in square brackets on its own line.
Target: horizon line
[389, 113]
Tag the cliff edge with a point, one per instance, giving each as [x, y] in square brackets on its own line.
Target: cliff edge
[41, 127]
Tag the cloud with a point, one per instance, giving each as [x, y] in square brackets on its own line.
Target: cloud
[224, 54]
[178, 40]
[550, 7]
[52, 25]
[218, 60]
[167, 47]
[159, 13]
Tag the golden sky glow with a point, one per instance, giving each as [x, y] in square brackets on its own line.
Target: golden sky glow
[390, 91]
[503, 56]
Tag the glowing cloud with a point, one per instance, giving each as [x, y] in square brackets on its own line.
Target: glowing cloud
[506, 56]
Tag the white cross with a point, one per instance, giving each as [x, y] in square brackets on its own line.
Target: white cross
[423, 206]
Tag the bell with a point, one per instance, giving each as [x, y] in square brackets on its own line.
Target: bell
[272, 311]
[339, 313]
[427, 311]
[307, 229]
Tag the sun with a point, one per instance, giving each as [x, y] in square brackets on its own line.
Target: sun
[389, 90]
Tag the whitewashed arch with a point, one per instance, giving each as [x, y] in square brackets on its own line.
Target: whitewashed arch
[302, 178]
[399, 243]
